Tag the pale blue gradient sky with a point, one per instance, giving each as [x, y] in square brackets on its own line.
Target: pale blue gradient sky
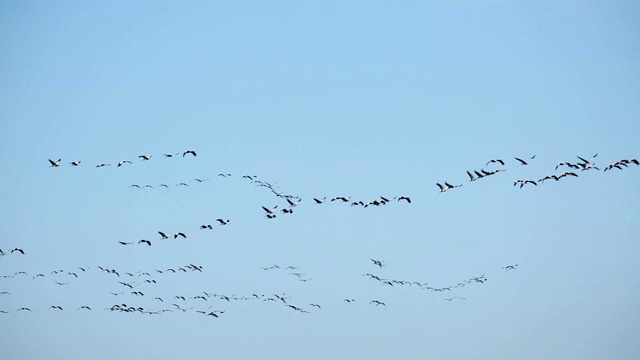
[361, 99]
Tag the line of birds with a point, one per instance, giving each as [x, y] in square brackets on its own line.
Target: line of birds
[58, 163]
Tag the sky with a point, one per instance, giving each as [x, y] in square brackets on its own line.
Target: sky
[361, 99]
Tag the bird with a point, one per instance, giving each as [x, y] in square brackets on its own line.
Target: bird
[377, 302]
[182, 184]
[349, 300]
[287, 211]
[179, 234]
[201, 180]
[316, 305]
[473, 178]
[125, 243]
[573, 166]
[189, 152]
[568, 173]
[343, 198]
[495, 161]
[18, 250]
[24, 309]
[124, 162]
[145, 157]
[54, 163]
[269, 211]
[447, 186]
[590, 161]
[135, 185]
[164, 185]
[510, 267]
[103, 165]
[377, 262]
[222, 222]
[61, 283]
[148, 242]
[171, 155]
[84, 307]
[164, 236]
[208, 226]
[524, 182]
[320, 201]
[292, 203]
[55, 307]
[75, 163]
[522, 162]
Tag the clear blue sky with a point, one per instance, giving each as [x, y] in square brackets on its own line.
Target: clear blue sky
[361, 99]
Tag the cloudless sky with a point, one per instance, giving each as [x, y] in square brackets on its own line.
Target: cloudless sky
[359, 99]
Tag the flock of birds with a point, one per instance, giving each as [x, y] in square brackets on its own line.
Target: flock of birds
[143, 284]
[139, 285]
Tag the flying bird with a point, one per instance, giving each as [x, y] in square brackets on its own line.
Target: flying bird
[522, 162]
[495, 161]
[377, 262]
[145, 157]
[54, 163]
[447, 186]
[164, 236]
[189, 152]
[179, 234]
[320, 201]
[124, 162]
[222, 222]
[75, 163]
[148, 242]
[18, 250]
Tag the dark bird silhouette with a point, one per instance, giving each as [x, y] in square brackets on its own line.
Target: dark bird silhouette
[320, 201]
[179, 234]
[189, 152]
[406, 198]
[495, 161]
[75, 163]
[148, 242]
[447, 186]
[510, 267]
[208, 226]
[164, 236]
[54, 163]
[145, 157]
[522, 162]
[124, 162]
[125, 243]
[18, 250]
[377, 262]
[222, 222]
